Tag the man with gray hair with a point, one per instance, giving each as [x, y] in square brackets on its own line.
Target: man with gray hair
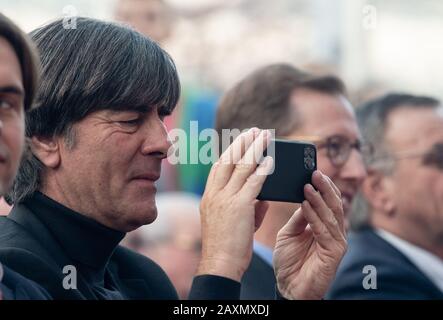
[397, 251]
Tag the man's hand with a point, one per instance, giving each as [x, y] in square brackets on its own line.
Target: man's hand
[311, 245]
[230, 213]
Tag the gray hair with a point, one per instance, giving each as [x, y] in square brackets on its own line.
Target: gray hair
[372, 119]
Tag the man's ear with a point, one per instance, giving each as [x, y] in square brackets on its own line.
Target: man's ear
[47, 150]
[377, 190]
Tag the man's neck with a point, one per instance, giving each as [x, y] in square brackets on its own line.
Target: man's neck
[58, 194]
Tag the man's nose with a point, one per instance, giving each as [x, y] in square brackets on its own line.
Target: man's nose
[355, 167]
[157, 141]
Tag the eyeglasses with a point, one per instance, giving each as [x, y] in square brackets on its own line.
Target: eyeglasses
[431, 158]
[338, 147]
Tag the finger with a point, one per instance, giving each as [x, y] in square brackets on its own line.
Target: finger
[295, 225]
[211, 175]
[341, 218]
[254, 182]
[237, 153]
[324, 213]
[336, 189]
[232, 155]
[319, 229]
[261, 207]
[248, 164]
[329, 195]
[238, 147]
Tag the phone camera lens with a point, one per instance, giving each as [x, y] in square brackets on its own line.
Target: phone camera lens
[309, 152]
[309, 163]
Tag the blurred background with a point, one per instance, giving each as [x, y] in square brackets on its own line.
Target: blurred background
[394, 44]
[374, 45]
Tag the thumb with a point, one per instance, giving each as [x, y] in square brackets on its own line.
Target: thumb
[296, 224]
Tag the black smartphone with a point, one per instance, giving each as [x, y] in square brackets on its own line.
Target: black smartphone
[294, 163]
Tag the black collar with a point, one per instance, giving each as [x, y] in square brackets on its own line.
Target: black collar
[84, 240]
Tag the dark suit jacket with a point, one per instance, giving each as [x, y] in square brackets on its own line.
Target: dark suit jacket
[28, 247]
[397, 276]
[16, 287]
[258, 282]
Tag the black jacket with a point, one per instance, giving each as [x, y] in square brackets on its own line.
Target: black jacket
[41, 239]
[397, 277]
[15, 287]
[258, 282]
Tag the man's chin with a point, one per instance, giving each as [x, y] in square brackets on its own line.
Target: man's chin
[146, 214]
[136, 222]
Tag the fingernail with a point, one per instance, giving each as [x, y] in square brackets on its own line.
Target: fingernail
[265, 166]
[310, 188]
[318, 173]
[265, 160]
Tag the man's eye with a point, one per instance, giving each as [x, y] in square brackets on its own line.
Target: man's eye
[131, 122]
[5, 104]
[335, 146]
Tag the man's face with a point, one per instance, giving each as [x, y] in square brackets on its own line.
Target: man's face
[149, 17]
[416, 185]
[323, 116]
[110, 171]
[11, 115]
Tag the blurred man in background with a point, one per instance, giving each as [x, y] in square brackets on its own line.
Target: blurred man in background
[401, 242]
[174, 240]
[18, 82]
[300, 107]
[153, 18]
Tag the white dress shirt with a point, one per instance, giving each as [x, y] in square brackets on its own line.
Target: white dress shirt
[1, 277]
[426, 262]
